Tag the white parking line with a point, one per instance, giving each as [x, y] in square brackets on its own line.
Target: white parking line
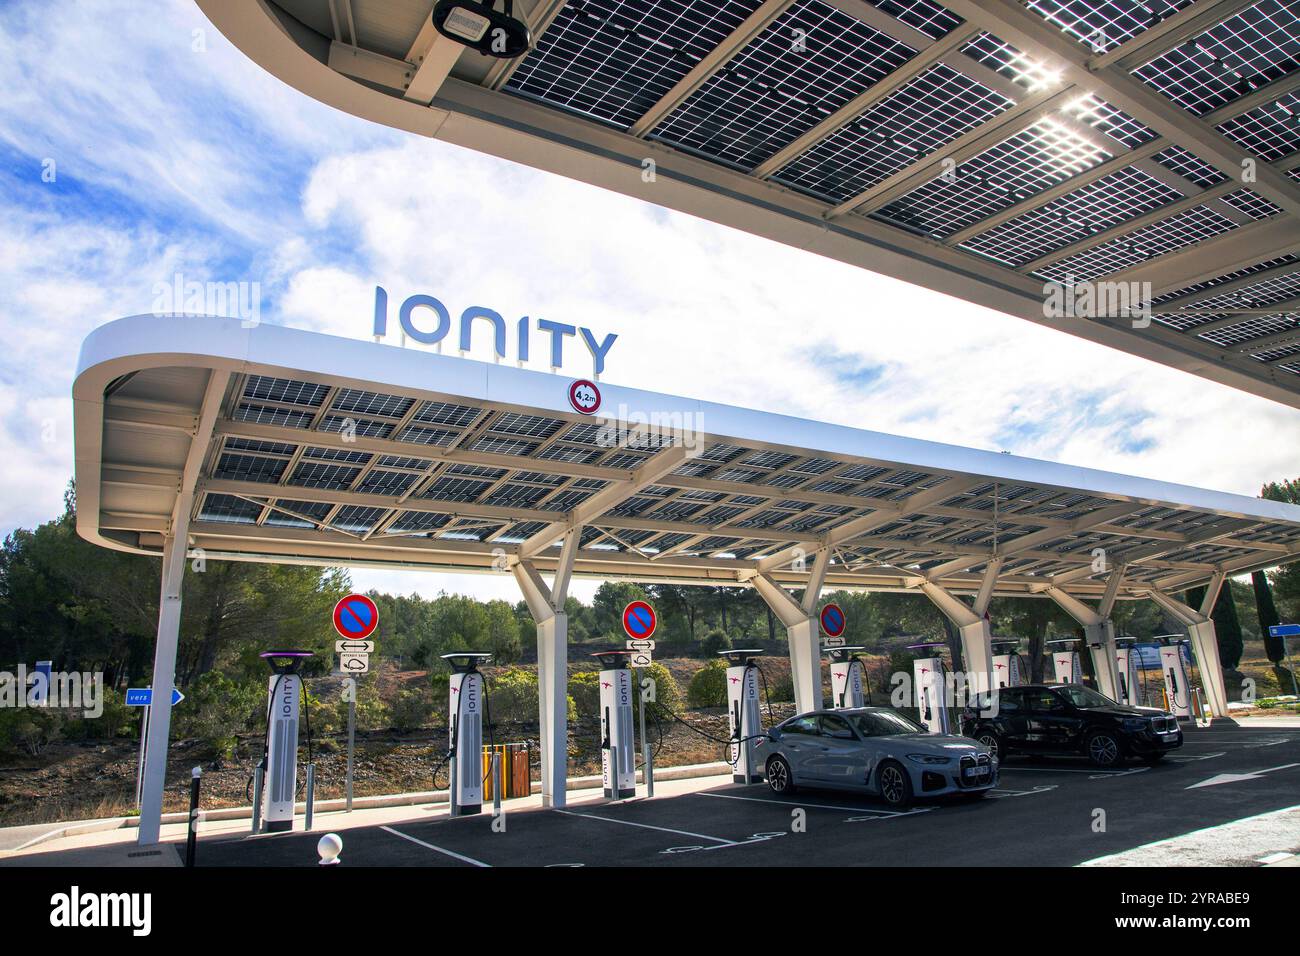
[438, 849]
[1190, 759]
[647, 826]
[998, 793]
[819, 806]
[1091, 773]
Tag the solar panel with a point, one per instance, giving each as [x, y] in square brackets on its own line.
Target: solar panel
[1107, 202]
[1011, 62]
[228, 508]
[1189, 166]
[338, 454]
[1103, 25]
[312, 512]
[927, 112]
[418, 521]
[807, 64]
[334, 477]
[371, 403]
[612, 60]
[533, 426]
[270, 415]
[284, 390]
[356, 518]
[1176, 232]
[249, 468]
[427, 436]
[386, 482]
[1029, 162]
[442, 413]
[1270, 131]
[360, 426]
[930, 18]
[1225, 278]
[1252, 204]
[1111, 120]
[265, 447]
[1231, 59]
[1250, 327]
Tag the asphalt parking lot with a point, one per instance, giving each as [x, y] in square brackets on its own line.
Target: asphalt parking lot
[1042, 813]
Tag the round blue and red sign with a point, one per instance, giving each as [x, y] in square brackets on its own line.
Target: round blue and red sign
[356, 617]
[639, 620]
[832, 620]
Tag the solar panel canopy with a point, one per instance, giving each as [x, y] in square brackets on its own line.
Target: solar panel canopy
[993, 150]
[291, 446]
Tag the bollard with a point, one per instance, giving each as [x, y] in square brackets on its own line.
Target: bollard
[191, 838]
[311, 794]
[329, 847]
[496, 782]
[257, 798]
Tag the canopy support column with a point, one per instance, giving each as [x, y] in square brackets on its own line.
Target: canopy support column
[164, 679]
[976, 634]
[546, 604]
[1205, 641]
[1099, 634]
[802, 629]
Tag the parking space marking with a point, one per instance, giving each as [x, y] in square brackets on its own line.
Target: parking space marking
[1092, 774]
[1189, 759]
[647, 826]
[997, 793]
[465, 859]
[818, 806]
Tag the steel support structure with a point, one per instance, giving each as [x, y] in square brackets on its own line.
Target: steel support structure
[1205, 642]
[803, 629]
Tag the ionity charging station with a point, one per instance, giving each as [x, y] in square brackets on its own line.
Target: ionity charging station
[928, 672]
[742, 712]
[617, 741]
[846, 676]
[278, 781]
[1126, 665]
[1006, 664]
[1065, 660]
[1177, 686]
[465, 732]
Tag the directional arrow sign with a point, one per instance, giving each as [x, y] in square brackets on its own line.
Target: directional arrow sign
[354, 647]
[1284, 630]
[1238, 777]
[143, 696]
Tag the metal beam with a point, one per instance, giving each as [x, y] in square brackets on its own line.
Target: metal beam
[1167, 34]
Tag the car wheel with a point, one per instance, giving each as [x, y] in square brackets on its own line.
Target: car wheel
[992, 743]
[1104, 750]
[779, 776]
[895, 785]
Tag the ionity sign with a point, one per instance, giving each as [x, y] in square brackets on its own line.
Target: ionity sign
[428, 321]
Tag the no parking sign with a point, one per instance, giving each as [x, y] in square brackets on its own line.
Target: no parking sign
[356, 617]
[639, 620]
[832, 620]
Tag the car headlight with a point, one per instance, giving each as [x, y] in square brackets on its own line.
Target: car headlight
[929, 758]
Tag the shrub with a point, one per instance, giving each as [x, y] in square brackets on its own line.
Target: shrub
[115, 718]
[512, 696]
[216, 708]
[412, 709]
[667, 695]
[28, 729]
[372, 712]
[708, 688]
[584, 688]
[714, 641]
[781, 689]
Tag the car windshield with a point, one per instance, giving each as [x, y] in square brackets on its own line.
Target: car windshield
[1084, 697]
[881, 723]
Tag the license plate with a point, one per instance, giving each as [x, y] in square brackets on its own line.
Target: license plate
[1168, 737]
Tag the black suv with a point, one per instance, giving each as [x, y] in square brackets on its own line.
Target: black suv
[1071, 719]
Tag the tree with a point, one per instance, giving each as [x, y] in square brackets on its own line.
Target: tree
[1267, 612]
[1284, 582]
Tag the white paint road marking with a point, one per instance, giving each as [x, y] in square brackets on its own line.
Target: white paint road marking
[1186, 759]
[646, 826]
[999, 793]
[818, 806]
[438, 849]
[1093, 774]
[1238, 777]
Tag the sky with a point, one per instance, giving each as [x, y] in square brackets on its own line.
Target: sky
[134, 148]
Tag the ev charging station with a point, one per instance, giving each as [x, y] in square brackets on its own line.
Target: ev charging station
[928, 672]
[742, 712]
[1065, 661]
[1126, 665]
[617, 741]
[279, 777]
[1177, 687]
[465, 731]
[1006, 664]
[846, 676]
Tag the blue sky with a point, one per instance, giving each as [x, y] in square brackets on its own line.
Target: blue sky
[175, 154]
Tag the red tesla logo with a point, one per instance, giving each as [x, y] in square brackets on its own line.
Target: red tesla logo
[734, 680]
[1000, 667]
[455, 690]
[925, 670]
[605, 684]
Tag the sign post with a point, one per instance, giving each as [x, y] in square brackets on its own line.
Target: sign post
[355, 618]
[1286, 632]
[142, 697]
[639, 622]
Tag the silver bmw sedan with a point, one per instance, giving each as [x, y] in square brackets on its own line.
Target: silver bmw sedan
[872, 750]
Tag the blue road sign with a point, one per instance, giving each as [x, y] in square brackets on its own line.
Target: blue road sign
[143, 696]
[1284, 630]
